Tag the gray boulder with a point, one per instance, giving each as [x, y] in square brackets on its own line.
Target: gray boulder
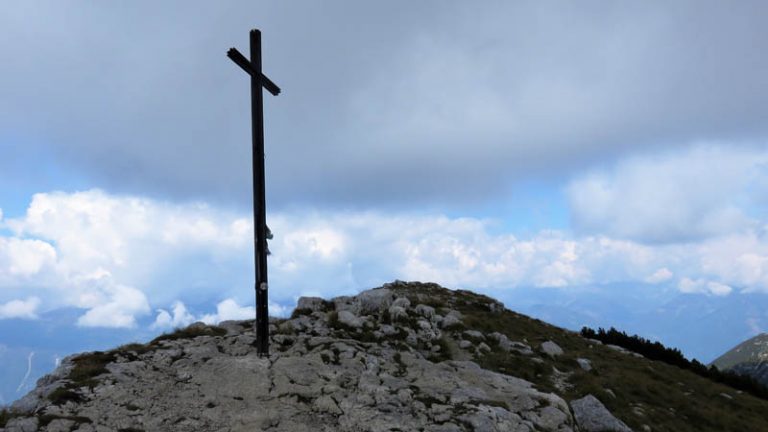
[551, 349]
[592, 416]
[374, 301]
[584, 364]
[425, 311]
[348, 318]
[402, 302]
[314, 304]
[22, 424]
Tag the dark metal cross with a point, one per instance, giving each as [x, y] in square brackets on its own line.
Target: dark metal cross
[261, 232]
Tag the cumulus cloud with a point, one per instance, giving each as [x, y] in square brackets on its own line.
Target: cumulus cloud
[24, 257]
[119, 308]
[131, 253]
[661, 275]
[179, 316]
[689, 286]
[704, 191]
[227, 309]
[26, 309]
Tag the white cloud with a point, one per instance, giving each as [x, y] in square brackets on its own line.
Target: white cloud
[130, 253]
[229, 309]
[702, 286]
[120, 308]
[93, 250]
[26, 309]
[661, 275]
[24, 257]
[178, 317]
[689, 195]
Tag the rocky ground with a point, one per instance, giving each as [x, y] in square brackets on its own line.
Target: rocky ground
[388, 359]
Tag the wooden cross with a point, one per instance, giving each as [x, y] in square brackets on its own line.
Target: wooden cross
[261, 232]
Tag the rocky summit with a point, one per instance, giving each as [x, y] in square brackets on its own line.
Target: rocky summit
[403, 357]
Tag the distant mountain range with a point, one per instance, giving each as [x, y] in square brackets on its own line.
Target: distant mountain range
[701, 326]
[748, 358]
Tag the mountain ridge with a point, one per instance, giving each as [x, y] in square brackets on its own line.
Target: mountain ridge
[748, 358]
[405, 356]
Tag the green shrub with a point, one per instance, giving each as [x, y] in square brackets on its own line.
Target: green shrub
[190, 332]
[300, 312]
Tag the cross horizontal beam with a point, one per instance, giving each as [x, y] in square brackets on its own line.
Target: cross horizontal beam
[243, 62]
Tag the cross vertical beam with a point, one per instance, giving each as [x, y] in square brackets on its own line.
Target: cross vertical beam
[258, 80]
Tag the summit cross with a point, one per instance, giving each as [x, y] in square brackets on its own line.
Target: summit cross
[261, 232]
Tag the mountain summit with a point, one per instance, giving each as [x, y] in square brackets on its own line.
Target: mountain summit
[748, 358]
[403, 357]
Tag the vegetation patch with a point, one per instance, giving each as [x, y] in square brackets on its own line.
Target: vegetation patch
[190, 332]
[300, 312]
[6, 415]
[445, 353]
[425, 399]
[673, 356]
[64, 394]
[45, 419]
[333, 320]
[402, 369]
[88, 366]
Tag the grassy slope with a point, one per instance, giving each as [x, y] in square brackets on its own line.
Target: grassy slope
[646, 392]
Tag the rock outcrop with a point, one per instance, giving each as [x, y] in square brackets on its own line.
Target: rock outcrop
[384, 360]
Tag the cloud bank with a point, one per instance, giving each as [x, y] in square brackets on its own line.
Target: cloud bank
[457, 104]
[119, 257]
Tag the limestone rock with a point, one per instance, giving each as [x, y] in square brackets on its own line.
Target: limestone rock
[592, 416]
[502, 341]
[425, 311]
[551, 349]
[22, 424]
[584, 364]
[348, 318]
[373, 301]
[367, 374]
[397, 312]
[474, 334]
[402, 302]
[313, 304]
[450, 319]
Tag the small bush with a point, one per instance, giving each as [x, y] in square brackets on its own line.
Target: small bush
[64, 394]
[674, 357]
[444, 353]
[88, 366]
[386, 318]
[133, 350]
[6, 415]
[333, 319]
[300, 312]
[47, 418]
[190, 332]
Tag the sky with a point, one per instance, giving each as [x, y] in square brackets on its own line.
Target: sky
[590, 164]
